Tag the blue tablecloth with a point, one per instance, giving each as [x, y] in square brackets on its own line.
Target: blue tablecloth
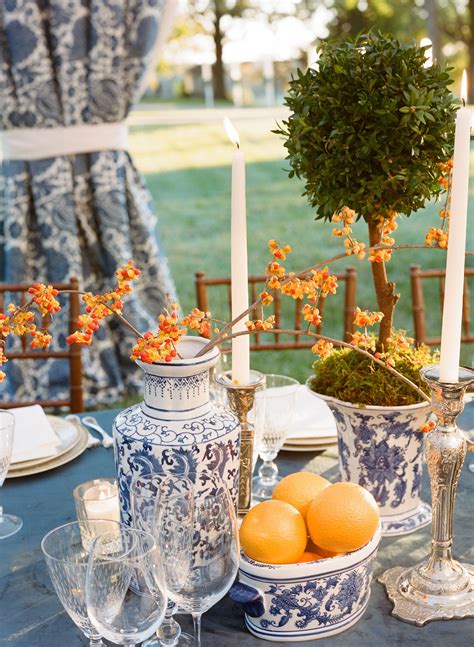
[32, 616]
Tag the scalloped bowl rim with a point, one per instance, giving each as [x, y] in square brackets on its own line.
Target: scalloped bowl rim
[366, 407]
[319, 567]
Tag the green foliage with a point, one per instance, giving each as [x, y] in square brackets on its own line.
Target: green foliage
[368, 128]
[352, 377]
[403, 18]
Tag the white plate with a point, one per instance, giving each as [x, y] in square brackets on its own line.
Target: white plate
[76, 450]
[68, 434]
[67, 455]
[313, 419]
[324, 440]
[309, 448]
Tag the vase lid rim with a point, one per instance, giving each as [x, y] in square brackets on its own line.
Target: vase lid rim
[188, 347]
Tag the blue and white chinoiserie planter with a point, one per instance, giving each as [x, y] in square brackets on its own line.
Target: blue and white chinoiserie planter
[176, 430]
[381, 448]
[309, 600]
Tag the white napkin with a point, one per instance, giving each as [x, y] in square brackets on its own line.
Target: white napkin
[33, 436]
[313, 418]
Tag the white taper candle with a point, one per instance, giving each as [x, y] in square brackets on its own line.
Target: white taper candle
[454, 284]
[239, 266]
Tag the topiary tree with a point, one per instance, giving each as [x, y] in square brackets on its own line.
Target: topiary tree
[368, 130]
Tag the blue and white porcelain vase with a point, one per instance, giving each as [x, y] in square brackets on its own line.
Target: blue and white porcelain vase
[176, 430]
[308, 600]
[381, 448]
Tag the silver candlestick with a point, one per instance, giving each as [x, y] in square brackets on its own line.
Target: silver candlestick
[241, 400]
[439, 588]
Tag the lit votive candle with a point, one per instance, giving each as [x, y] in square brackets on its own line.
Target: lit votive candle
[97, 499]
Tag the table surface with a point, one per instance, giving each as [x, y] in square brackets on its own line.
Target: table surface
[32, 616]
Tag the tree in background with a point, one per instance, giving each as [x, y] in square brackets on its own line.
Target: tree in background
[448, 23]
[352, 17]
[210, 17]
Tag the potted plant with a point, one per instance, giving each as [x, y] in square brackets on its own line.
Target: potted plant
[370, 132]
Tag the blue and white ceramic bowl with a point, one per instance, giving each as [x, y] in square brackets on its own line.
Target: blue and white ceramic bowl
[309, 600]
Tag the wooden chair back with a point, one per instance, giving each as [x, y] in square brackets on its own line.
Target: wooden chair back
[72, 354]
[274, 341]
[417, 276]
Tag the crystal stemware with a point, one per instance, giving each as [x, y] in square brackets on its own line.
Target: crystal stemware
[280, 397]
[9, 524]
[66, 557]
[198, 533]
[146, 492]
[125, 592]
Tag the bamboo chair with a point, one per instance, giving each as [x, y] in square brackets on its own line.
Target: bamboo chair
[274, 341]
[73, 354]
[417, 277]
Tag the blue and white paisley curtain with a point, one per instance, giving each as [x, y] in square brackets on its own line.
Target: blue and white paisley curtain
[67, 63]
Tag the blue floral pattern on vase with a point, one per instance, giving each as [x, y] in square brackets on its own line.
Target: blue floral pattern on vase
[382, 450]
[316, 606]
[176, 431]
[67, 63]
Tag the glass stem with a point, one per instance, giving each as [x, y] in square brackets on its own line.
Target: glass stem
[1, 513]
[268, 472]
[170, 631]
[96, 642]
[197, 629]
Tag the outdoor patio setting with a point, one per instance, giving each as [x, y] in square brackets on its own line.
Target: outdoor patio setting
[236, 338]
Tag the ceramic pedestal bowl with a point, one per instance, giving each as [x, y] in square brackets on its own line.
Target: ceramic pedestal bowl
[308, 600]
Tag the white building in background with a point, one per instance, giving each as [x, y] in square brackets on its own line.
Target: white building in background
[258, 58]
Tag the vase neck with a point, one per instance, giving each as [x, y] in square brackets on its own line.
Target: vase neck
[174, 397]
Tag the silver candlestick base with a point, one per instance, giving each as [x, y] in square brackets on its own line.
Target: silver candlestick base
[439, 588]
[241, 400]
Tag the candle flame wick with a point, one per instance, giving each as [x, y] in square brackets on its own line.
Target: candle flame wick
[232, 133]
[464, 88]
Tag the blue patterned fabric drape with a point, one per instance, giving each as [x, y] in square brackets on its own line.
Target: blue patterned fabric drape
[64, 63]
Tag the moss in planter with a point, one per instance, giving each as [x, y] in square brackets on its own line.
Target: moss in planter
[352, 377]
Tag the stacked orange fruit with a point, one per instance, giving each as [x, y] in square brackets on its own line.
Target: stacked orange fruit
[309, 519]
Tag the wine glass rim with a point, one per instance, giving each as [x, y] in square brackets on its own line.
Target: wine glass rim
[9, 415]
[76, 523]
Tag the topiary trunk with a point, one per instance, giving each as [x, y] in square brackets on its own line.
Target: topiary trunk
[384, 289]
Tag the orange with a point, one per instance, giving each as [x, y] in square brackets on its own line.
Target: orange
[342, 517]
[299, 489]
[273, 532]
[320, 552]
[325, 553]
[308, 557]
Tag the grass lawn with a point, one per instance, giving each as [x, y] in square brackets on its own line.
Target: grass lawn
[187, 168]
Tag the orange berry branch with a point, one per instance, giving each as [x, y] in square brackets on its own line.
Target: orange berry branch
[309, 285]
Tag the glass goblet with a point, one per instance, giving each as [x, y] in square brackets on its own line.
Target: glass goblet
[146, 492]
[199, 536]
[125, 593]
[66, 556]
[280, 397]
[9, 524]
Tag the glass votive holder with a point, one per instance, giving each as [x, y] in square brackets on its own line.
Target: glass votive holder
[96, 500]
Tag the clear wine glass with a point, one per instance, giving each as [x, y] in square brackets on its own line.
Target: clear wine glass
[66, 556]
[9, 524]
[146, 492]
[125, 591]
[198, 533]
[280, 398]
